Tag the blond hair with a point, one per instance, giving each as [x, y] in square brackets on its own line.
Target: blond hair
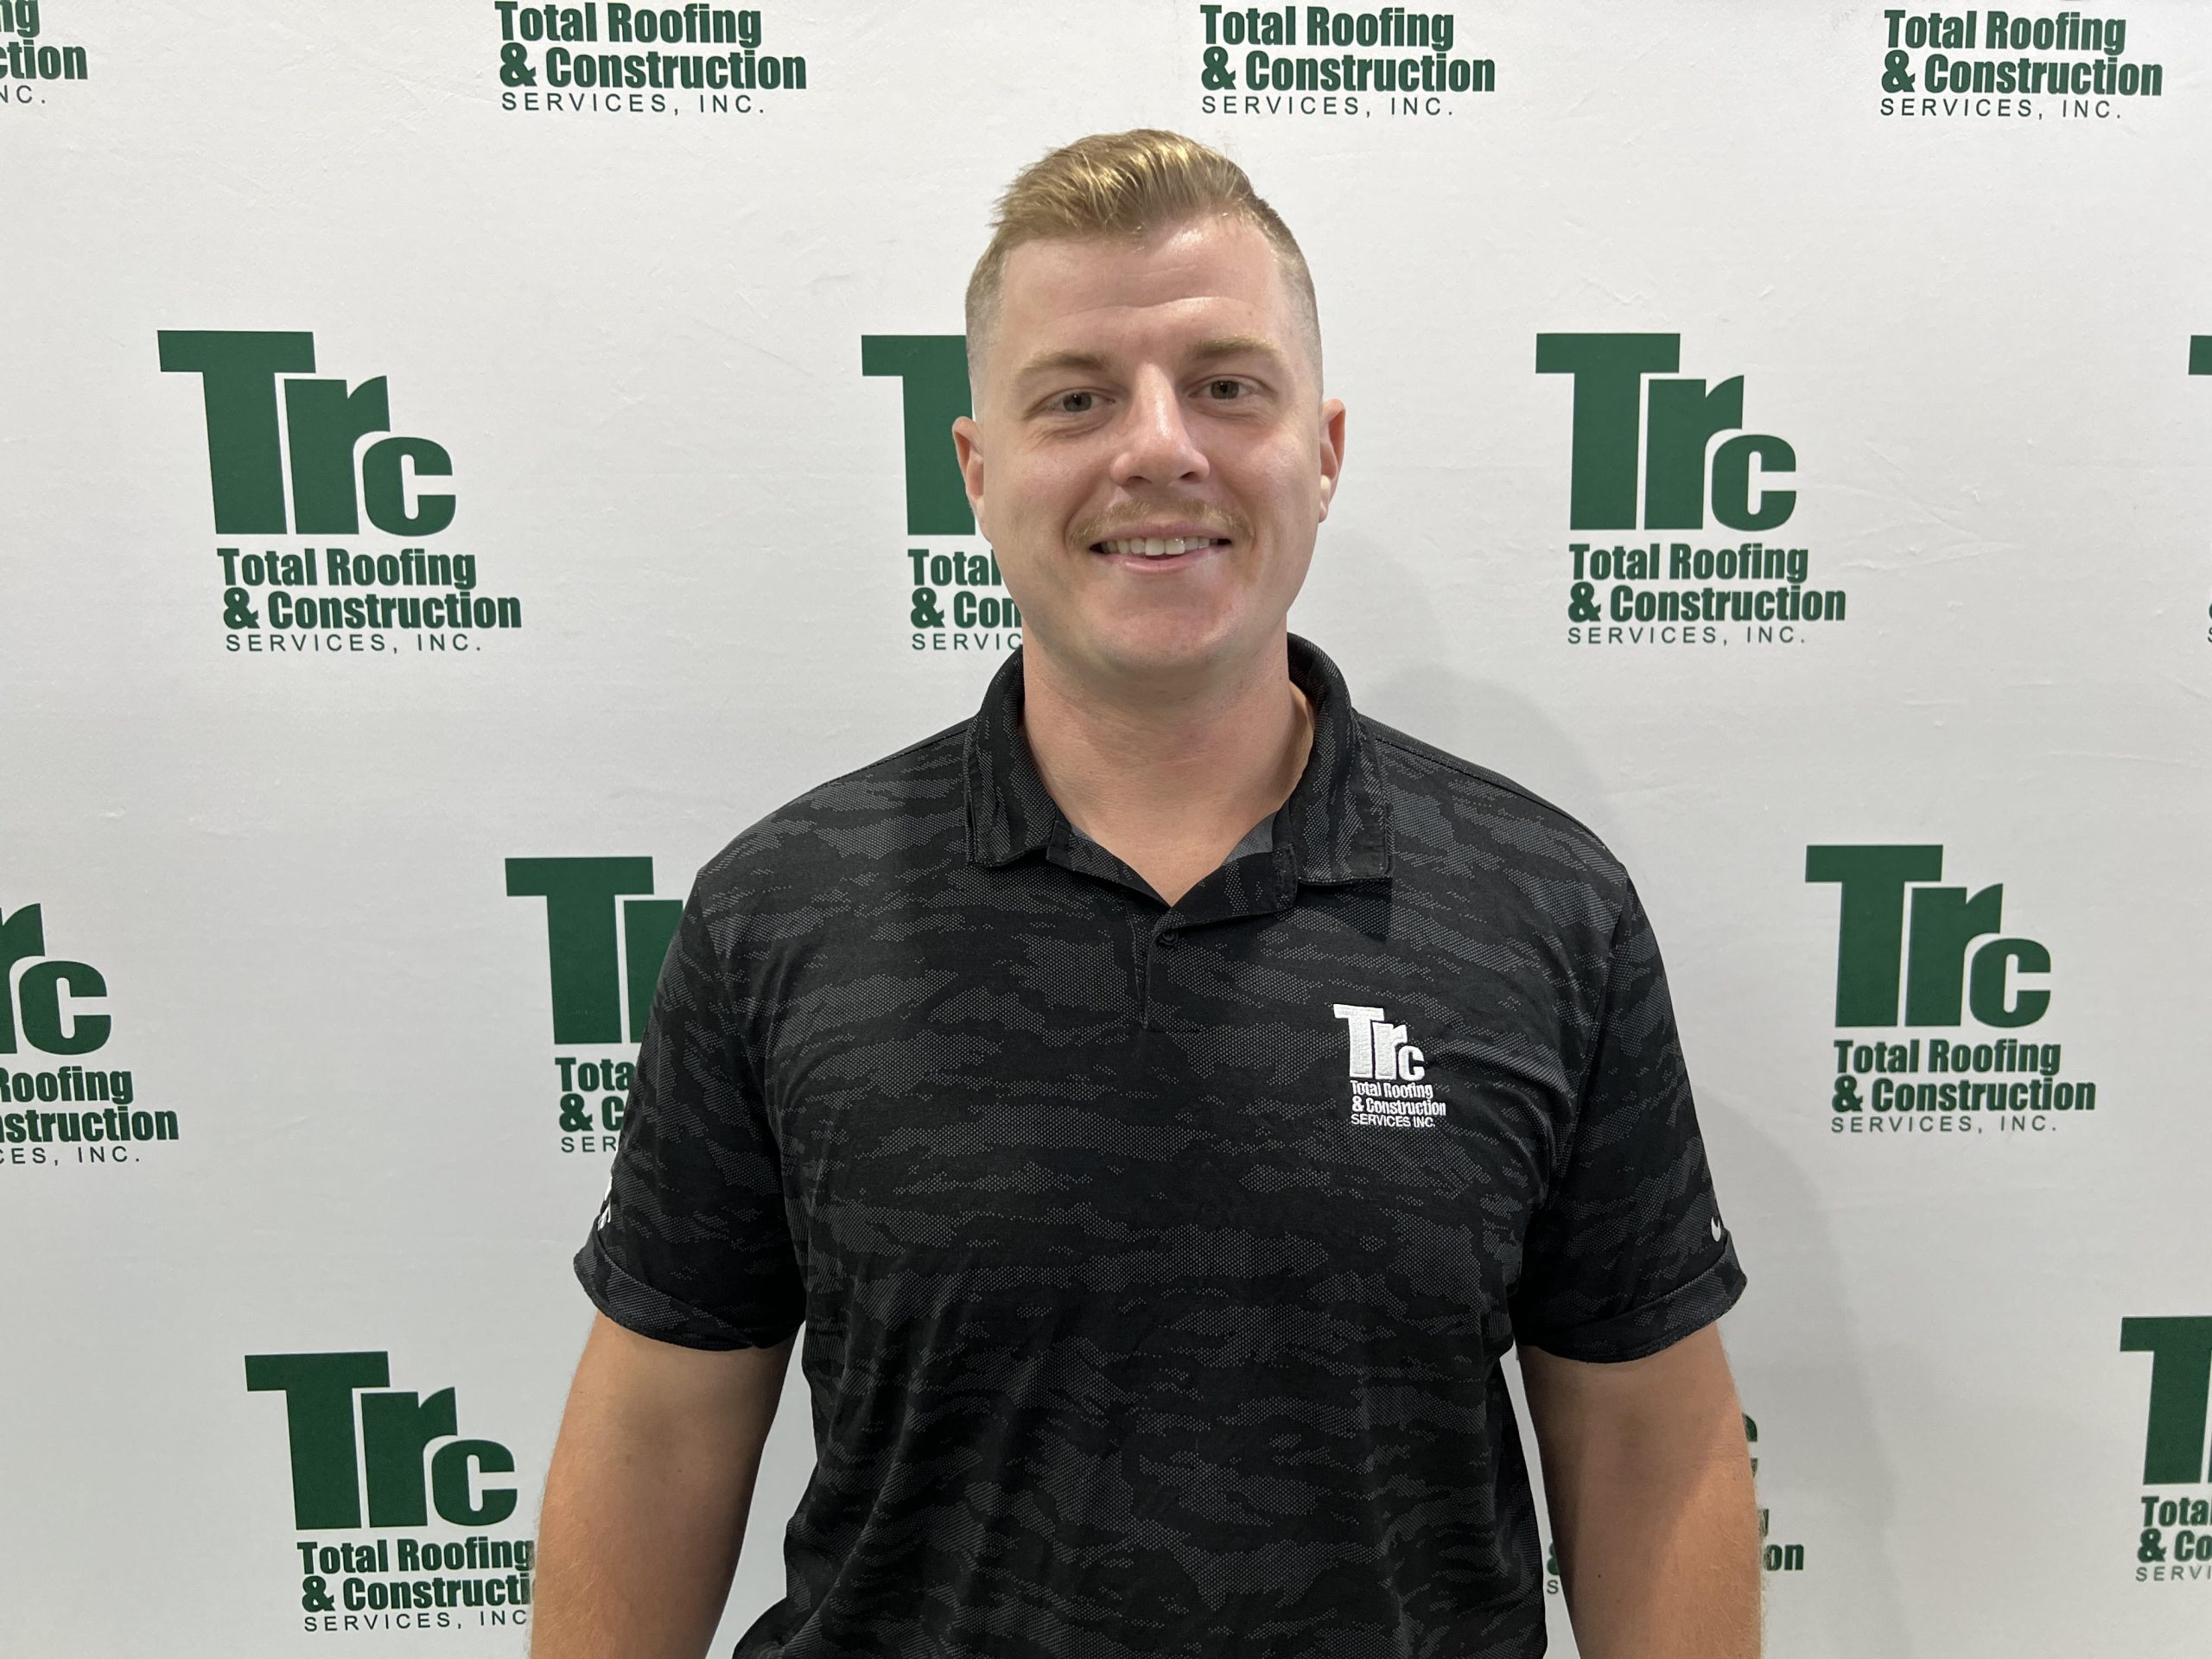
[1128, 184]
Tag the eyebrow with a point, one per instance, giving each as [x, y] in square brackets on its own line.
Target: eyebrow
[1207, 351]
[1236, 346]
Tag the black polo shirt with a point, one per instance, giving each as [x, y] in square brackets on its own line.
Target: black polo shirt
[1156, 1262]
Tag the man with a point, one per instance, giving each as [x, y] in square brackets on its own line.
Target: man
[1164, 1098]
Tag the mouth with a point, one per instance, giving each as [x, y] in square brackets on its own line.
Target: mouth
[1158, 552]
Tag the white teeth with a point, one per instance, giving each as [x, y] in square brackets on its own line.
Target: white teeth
[1155, 547]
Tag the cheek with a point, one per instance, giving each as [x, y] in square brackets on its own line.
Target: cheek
[1039, 495]
[1292, 490]
[1284, 463]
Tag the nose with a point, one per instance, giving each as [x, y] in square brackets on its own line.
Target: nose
[1157, 446]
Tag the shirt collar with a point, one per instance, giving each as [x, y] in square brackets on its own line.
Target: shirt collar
[1335, 827]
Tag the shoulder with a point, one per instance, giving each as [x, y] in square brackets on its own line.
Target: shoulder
[1465, 823]
[880, 821]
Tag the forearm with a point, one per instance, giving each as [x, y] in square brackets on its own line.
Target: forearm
[1663, 1562]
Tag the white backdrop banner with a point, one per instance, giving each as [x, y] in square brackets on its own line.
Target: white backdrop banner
[464, 461]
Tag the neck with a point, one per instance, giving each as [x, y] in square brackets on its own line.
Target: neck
[1181, 765]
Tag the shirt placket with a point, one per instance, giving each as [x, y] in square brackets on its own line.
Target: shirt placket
[1258, 884]
[1160, 933]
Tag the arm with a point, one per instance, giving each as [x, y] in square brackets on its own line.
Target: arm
[646, 1498]
[1648, 1480]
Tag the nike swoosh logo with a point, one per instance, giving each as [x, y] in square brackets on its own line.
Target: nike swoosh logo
[1717, 1230]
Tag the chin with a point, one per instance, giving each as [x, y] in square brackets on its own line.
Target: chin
[1167, 642]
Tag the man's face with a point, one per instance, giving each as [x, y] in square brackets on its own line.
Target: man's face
[1157, 391]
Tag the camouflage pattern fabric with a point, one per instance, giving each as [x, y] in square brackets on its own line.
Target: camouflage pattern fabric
[1155, 1264]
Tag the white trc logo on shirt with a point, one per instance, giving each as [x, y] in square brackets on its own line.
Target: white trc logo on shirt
[1387, 1072]
[1379, 1051]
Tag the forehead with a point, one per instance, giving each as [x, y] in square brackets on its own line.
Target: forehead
[1197, 280]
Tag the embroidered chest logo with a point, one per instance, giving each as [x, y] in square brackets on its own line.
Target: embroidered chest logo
[1389, 1074]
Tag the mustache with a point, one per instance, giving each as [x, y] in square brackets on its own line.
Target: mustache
[1211, 521]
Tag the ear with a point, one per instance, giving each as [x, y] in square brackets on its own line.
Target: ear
[967, 446]
[1330, 453]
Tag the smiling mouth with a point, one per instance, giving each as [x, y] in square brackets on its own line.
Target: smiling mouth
[1158, 547]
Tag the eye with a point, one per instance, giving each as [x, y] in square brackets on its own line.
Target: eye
[1073, 403]
[1225, 390]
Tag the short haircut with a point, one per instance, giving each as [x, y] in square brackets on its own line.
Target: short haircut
[1130, 184]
